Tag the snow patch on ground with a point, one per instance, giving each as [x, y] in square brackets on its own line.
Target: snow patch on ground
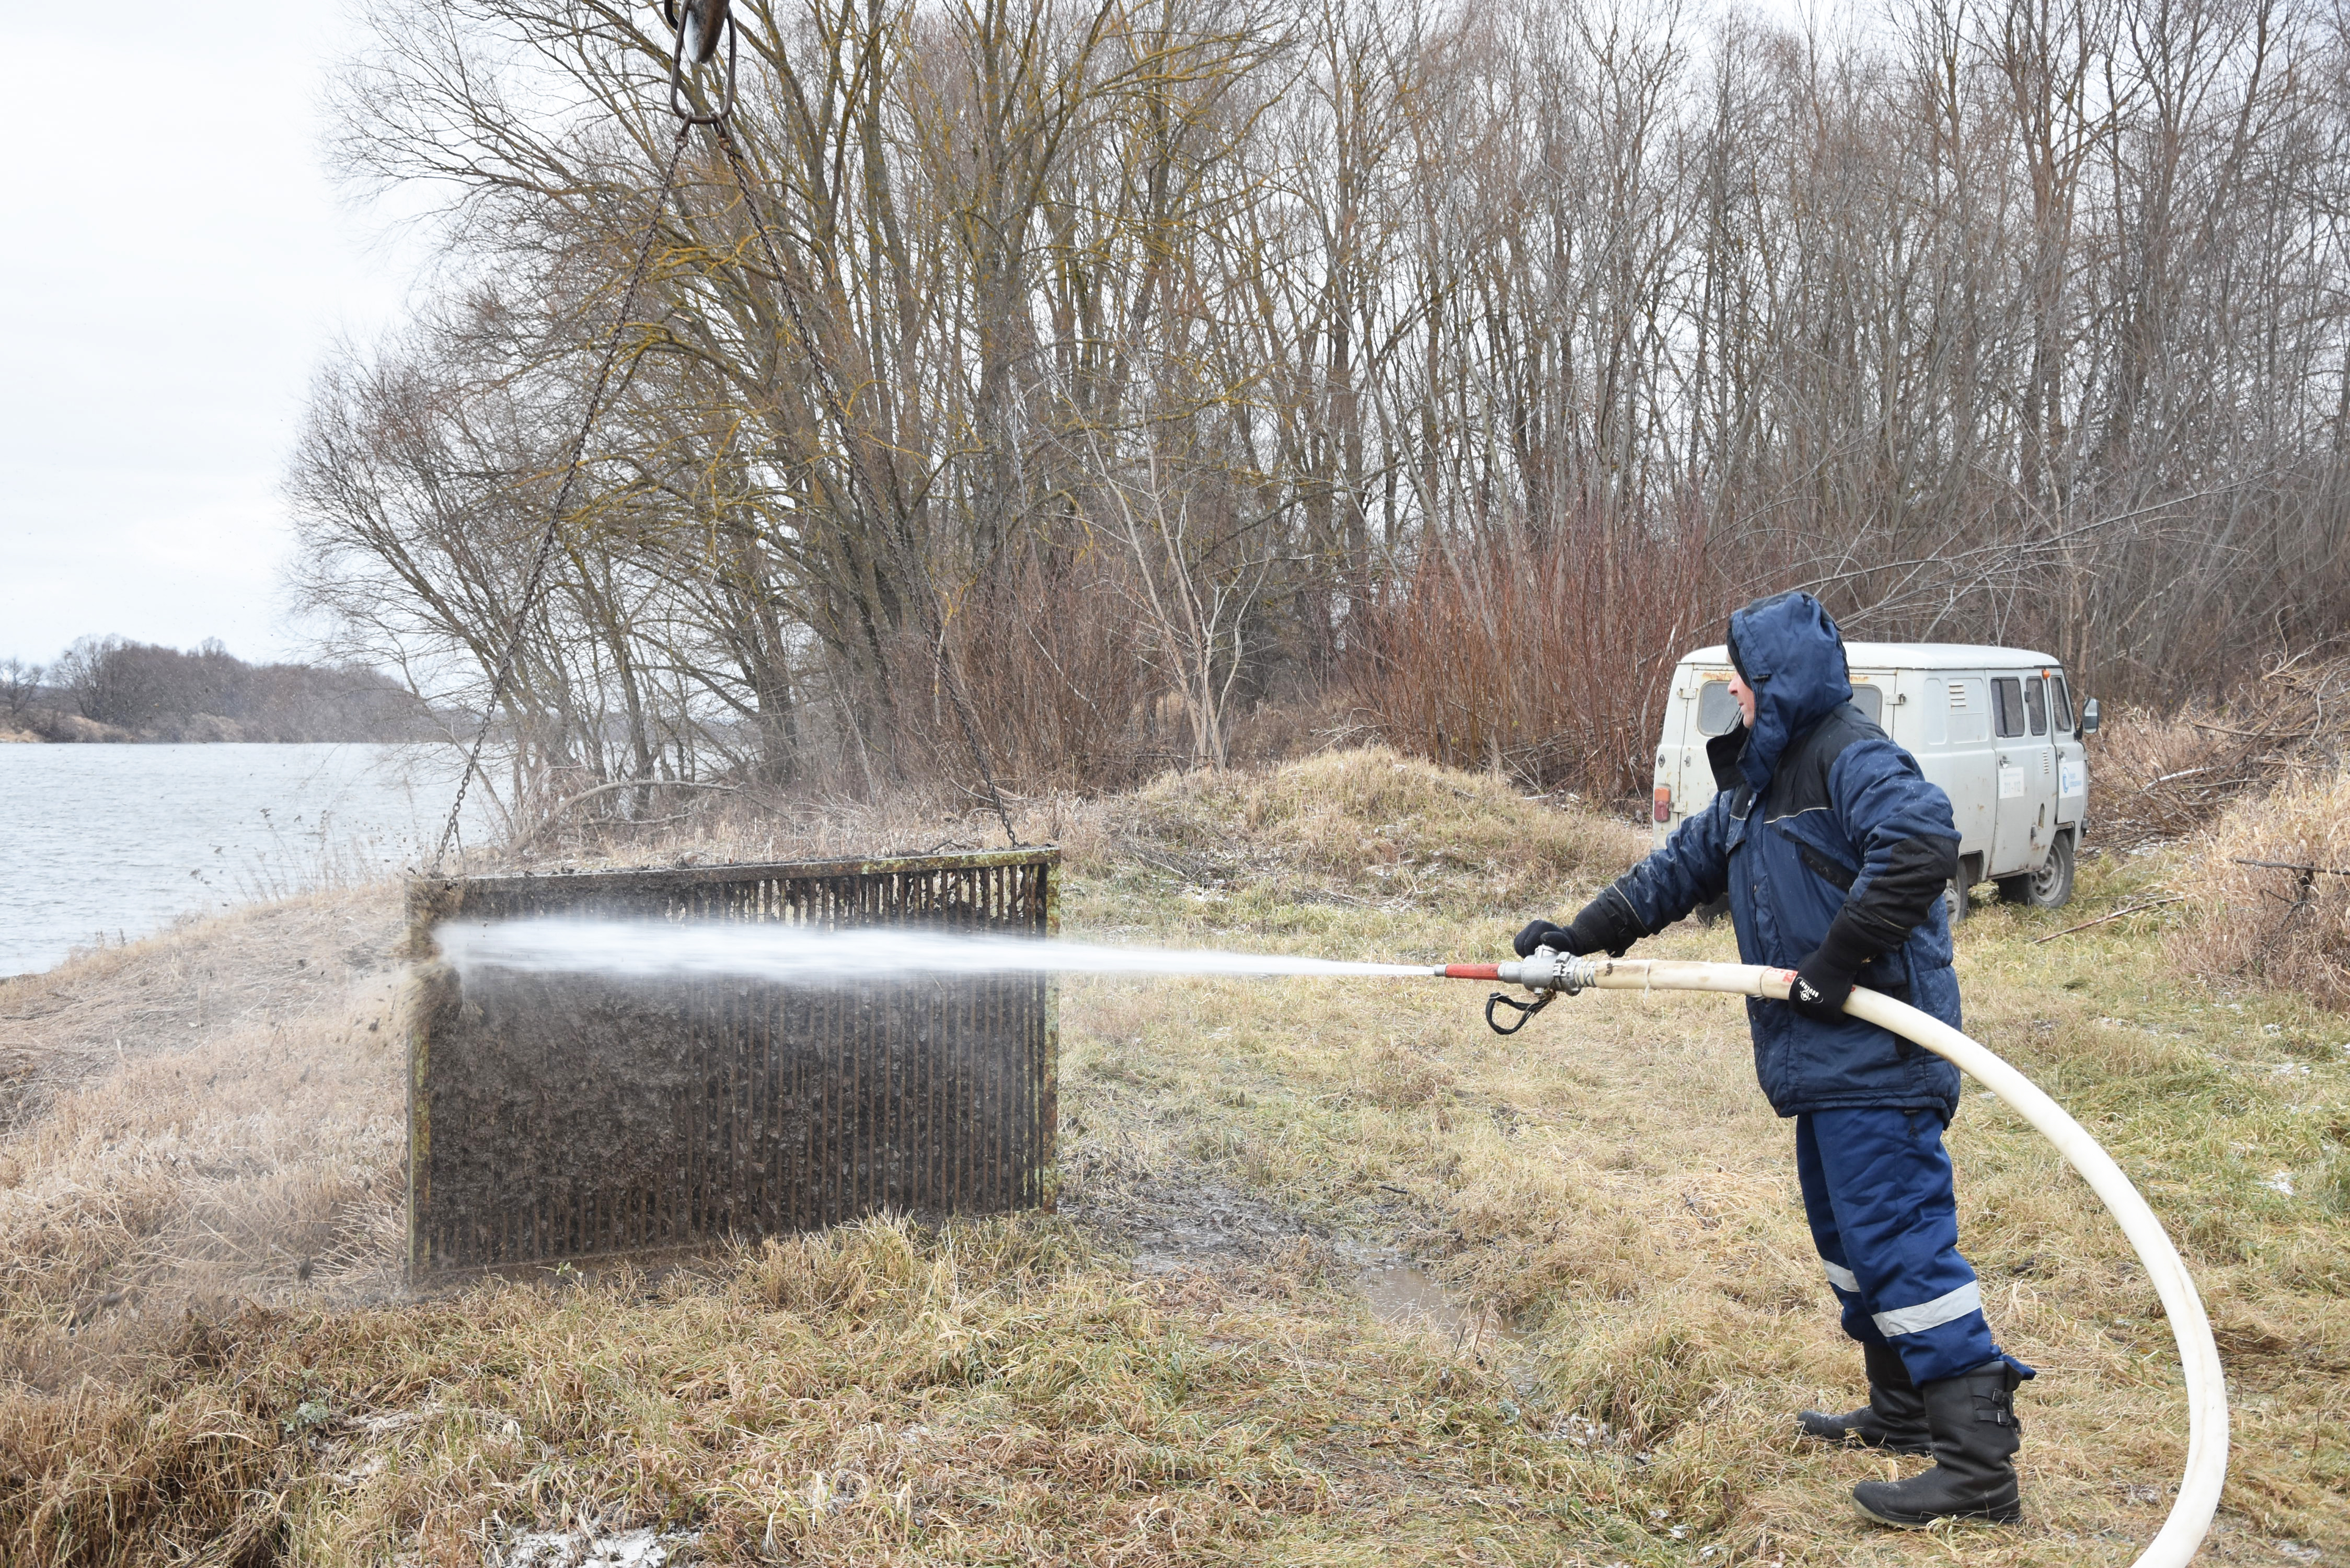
[585, 1549]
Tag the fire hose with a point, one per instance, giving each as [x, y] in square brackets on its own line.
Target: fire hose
[1548, 975]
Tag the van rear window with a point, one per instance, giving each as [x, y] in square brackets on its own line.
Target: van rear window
[1870, 701]
[1717, 710]
[2007, 705]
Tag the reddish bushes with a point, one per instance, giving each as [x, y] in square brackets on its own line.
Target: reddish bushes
[1546, 655]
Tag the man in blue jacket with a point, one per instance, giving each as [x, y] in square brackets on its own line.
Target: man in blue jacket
[1834, 852]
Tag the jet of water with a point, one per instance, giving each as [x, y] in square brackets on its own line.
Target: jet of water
[795, 955]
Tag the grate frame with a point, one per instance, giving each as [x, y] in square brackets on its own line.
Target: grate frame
[556, 1117]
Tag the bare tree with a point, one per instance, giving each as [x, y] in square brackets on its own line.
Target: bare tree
[2022, 322]
[20, 689]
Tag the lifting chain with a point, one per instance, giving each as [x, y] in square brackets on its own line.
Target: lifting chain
[699, 25]
[883, 503]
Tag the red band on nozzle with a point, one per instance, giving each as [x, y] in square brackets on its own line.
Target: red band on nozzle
[1472, 971]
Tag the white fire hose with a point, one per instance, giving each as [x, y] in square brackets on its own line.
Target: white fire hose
[2207, 1390]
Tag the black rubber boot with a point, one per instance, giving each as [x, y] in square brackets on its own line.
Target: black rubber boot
[1975, 1434]
[1894, 1417]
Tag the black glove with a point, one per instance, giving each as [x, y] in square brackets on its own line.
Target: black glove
[1544, 934]
[1605, 925]
[1824, 980]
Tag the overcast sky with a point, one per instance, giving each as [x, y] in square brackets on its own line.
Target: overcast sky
[177, 262]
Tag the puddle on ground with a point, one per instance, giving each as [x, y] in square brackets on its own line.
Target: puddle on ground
[1404, 1295]
[1175, 1225]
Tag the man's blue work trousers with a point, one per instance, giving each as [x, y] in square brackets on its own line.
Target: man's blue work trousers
[1877, 1187]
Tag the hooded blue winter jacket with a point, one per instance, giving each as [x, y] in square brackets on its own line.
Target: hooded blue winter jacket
[1824, 833]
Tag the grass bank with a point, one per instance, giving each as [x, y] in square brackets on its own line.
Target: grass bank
[1180, 1365]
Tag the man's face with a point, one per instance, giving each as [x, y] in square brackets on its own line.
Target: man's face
[1745, 698]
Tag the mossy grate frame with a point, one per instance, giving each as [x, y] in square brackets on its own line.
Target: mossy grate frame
[575, 1115]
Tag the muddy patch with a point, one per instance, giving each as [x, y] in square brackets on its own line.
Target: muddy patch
[1178, 1219]
[1404, 1295]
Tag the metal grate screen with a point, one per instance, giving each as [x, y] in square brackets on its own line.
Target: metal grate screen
[562, 1116]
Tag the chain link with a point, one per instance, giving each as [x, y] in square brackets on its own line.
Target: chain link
[562, 498]
[837, 407]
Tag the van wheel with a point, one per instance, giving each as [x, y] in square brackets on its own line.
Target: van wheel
[1955, 901]
[2051, 887]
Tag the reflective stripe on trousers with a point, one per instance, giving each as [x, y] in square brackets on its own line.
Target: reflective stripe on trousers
[1877, 1190]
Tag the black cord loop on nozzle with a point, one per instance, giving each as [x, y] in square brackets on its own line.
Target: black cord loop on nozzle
[1525, 1010]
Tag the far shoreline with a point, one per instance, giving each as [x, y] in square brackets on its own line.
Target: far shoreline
[202, 730]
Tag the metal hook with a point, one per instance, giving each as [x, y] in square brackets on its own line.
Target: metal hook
[697, 32]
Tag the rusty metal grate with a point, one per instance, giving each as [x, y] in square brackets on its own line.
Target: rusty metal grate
[567, 1116]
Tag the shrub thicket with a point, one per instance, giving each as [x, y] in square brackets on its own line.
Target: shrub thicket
[2286, 922]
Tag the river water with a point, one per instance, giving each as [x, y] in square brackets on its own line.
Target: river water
[109, 843]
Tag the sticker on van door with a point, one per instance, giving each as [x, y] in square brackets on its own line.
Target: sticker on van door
[2011, 782]
[2071, 778]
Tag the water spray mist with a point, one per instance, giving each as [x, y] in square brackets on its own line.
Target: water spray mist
[786, 955]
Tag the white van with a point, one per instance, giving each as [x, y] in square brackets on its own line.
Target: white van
[1995, 727]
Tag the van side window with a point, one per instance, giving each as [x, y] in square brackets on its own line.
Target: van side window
[1969, 717]
[1717, 710]
[2062, 701]
[2007, 702]
[2035, 705]
[1870, 701]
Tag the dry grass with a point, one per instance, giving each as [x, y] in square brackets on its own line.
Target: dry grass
[1017, 1391]
[1347, 825]
[1616, 1183]
[2155, 777]
[213, 1115]
[1342, 827]
[2286, 927]
[995, 1393]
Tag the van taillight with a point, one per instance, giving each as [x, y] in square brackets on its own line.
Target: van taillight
[1664, 803]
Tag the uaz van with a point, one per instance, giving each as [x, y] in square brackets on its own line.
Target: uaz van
[1996, 727]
